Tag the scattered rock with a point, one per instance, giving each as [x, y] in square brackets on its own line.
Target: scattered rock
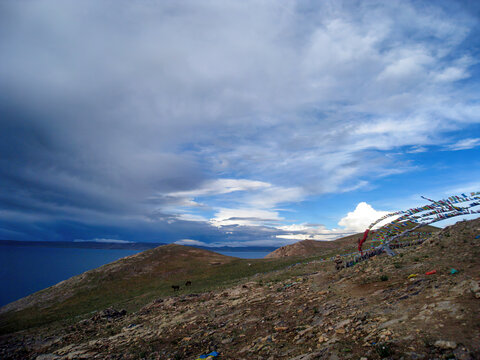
[475, 288]
[47, 357]
[311, 356]
[109, 313]
[462, 354]
[322, 339]
[445, 345]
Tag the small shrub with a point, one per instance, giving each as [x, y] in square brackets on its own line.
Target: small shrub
[384, 277]
[383, 350]
[428, 341]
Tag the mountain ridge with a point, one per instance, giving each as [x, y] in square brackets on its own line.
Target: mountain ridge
[310, 247]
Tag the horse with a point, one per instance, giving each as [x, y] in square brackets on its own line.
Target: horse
[188, 283]
[176, 287]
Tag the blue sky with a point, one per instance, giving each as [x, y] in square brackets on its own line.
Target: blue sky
[232, 123]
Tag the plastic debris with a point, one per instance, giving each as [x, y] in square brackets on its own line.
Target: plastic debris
[208, 356]
[412, 276]
[453, 271]
[431, 272]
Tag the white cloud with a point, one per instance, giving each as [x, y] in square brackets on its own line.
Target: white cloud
[464, 144]
[253, 193]
[244, 217]
[354, 222]
[451, 74]
[264, 242]
[324, 236]
[191, 242]
[466, 188]
[275, 195]
[359, 219]
[222, 186]
[417, 149]
[406, 64]
[190, 217]
[113, 241]
[312, 232]
[254, 201]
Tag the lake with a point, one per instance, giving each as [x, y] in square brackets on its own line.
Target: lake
[27, 269]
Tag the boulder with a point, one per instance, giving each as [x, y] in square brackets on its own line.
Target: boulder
[445, 345]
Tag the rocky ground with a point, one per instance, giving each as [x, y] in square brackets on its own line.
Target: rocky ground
[385, 307]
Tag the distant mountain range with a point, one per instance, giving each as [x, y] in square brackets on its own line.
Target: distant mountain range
[123, 246]
[83, 244]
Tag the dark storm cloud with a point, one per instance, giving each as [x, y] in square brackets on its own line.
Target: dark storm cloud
[71, 145]
[97, 101]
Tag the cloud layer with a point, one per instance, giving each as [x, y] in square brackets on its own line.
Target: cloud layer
[166, 120]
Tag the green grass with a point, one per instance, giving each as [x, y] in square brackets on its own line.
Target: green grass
[140, 280]
[133, 292]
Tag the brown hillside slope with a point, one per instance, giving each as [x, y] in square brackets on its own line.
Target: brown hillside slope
[127, 282]
[306, 248]
[163, 262]
[315, 247]
[386, 307]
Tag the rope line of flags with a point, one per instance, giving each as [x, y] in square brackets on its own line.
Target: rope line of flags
[411, 220]
[415, 218]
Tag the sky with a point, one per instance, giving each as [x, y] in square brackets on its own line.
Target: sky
[234, 123]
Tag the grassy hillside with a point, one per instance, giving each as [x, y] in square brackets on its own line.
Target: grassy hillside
[130, 283]
[134, 281]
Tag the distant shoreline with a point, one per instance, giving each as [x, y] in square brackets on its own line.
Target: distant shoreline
[123, 246]
[83, 244]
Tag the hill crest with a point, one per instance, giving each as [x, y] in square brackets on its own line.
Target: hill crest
[163, 262]
[310, 247]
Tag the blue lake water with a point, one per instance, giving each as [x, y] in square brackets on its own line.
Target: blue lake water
[27, 269]
[246, 254]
